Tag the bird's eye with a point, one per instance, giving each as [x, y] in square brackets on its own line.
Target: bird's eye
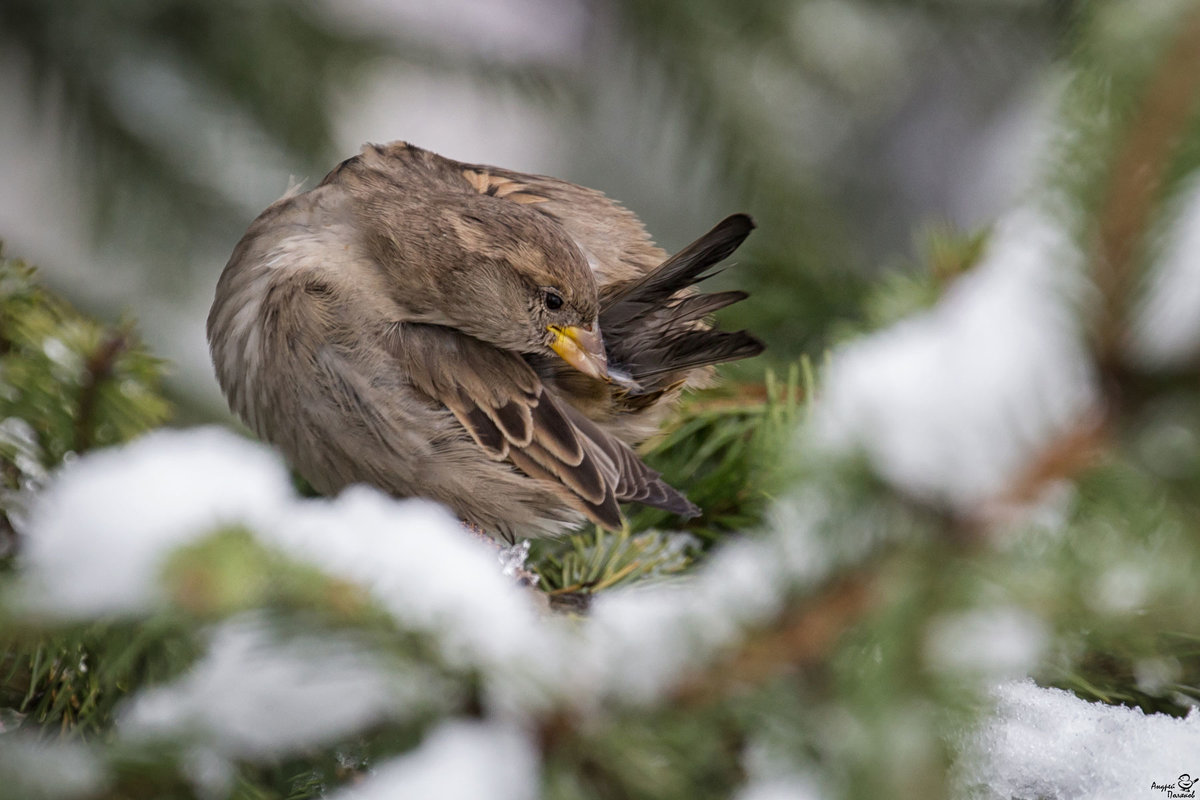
[554, 300]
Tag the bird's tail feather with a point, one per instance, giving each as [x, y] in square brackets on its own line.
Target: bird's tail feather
[656, 336]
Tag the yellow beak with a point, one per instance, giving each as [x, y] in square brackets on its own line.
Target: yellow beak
[581, 348]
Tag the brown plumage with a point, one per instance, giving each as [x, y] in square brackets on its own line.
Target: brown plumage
[492, 340]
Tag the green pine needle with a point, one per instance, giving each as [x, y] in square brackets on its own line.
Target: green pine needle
[724, 451]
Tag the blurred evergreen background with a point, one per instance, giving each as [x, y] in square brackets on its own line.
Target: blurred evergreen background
[140, 138]
[1001, 490]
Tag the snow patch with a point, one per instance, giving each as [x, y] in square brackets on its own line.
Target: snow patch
[1166, 327]
[98, 535]
[997, 642]
[793, 788]
[419, 564]
[949, 405]
[458, 761]
[61, 770]
[102, 531]
[1047, 744]
[256, 694]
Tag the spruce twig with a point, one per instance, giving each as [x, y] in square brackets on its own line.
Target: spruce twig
[1139, 169]
[98, 368]
[805, 634]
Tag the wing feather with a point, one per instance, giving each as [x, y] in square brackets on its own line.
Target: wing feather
[505, 409]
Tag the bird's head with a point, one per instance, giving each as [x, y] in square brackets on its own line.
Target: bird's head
[512, 278]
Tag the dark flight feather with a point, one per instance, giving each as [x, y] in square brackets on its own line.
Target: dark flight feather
[652, 324]
[680, 270]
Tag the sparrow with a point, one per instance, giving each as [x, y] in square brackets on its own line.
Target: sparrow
[491, 340]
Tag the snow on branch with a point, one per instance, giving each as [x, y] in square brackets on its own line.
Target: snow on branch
[951, 405]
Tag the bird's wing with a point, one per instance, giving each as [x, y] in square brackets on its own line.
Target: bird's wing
[613, 239]
[512, 416]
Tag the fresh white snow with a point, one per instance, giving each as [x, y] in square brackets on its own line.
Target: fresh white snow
[949, 405]
[1166, 330]
[257, 693]
[995, 642]
[1047, 744]
[99, 534]
[34, 770]
[458, 761]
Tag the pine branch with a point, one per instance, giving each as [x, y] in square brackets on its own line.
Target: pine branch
[73, 382]
[1168, 102]
[725, 447]
[98, 368]
[805, 634]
